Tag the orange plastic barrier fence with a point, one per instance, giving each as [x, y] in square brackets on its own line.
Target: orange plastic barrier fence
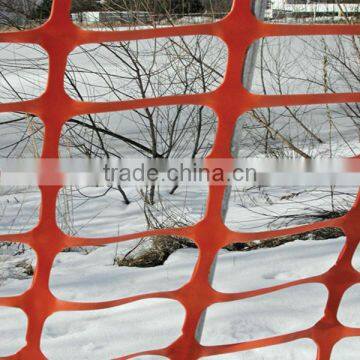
[59, 36]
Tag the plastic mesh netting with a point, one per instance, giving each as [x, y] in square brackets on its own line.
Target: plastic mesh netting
[59, 36]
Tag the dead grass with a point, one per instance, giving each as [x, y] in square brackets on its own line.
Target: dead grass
[321, 234]
[156, 255]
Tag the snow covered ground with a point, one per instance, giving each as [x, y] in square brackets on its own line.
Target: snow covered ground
[155, 323]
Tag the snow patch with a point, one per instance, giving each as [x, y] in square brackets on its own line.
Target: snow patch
[294, 309]
[106, 334]
[12, 330]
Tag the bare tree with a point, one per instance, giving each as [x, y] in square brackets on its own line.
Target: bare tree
[151, 68]
[187, 65]
[306, 65]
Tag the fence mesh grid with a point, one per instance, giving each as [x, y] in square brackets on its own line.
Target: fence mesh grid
[59, 36]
